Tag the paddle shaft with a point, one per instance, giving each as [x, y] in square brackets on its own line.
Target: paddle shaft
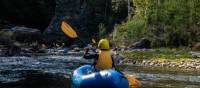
[82, 41]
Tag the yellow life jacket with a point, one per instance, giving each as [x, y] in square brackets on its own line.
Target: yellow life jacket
[104, 61]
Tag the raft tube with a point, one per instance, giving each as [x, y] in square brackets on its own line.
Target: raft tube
[87, 77]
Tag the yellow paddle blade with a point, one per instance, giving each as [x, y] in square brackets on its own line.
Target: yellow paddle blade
[93, 41]
[133, 82]
[68, 30]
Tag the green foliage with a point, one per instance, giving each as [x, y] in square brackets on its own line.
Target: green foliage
[141, 8]
[161, 54]
[173, 19]
[165, 22]
[129, 32]
[102, 31]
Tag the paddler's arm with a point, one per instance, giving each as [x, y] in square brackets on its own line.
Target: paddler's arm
[90, 56]
[113, 62]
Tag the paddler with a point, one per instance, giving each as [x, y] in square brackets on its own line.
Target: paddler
[102, 58]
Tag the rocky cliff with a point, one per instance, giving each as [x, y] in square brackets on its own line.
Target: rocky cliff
[81, 13]
[46, 15]
[32, 23]
[86, 15]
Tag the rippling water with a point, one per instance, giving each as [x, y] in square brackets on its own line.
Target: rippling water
[166, 77]
[47, 71]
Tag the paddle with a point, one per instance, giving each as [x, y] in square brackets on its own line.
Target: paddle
[70, 32]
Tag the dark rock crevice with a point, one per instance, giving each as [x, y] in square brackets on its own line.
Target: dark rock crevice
[30, 13]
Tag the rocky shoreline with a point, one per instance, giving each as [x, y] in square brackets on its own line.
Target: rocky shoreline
[192, 64]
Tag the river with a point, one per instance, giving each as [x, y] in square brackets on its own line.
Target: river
[53, 71]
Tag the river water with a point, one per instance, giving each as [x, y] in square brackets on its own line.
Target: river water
[53, 71]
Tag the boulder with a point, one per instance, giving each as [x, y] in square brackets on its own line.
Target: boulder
[118, 59]
[12, 39]
[24, 34]
[12, 50]
[196, 47]
[5, 41]
[142, 44]
[8, 47]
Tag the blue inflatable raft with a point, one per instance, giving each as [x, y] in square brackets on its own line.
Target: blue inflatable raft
[87, 77]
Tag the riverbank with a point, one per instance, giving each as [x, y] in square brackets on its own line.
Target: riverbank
[182, 58]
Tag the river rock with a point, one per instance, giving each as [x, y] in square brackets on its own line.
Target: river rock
[13, 50]
[22, 34]
[5, 41]
[152, 64]
[197, 67]
[9, 47]
[76, 49]
[117, 58]
[17, 37]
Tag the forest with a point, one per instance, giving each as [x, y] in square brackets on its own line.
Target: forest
[166, 23]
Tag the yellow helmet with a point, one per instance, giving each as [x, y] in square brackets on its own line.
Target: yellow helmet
[103, 44]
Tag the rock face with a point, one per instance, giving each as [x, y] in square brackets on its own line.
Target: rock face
[46, 15]
[143, 43]
[86, 15]
[196, 47]
[31, 13]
